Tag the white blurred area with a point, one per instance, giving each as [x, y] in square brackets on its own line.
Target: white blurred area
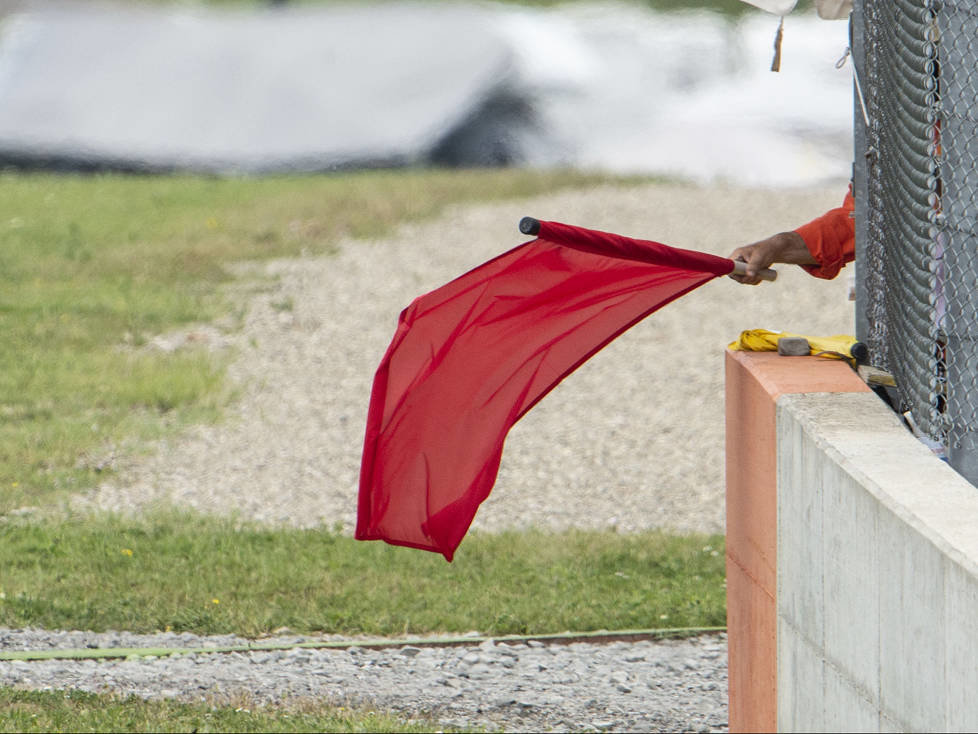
[690, 94]
[599, 86]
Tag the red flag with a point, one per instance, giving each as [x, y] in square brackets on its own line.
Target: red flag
[469, 359]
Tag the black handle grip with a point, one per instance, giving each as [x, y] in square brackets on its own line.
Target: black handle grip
[859, 352]
[529, 225]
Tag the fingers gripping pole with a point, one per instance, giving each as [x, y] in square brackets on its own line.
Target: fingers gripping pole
[740, 268]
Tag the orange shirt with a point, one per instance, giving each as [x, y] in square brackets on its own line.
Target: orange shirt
[831, 239]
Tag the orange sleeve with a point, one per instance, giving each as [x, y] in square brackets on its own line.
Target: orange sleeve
[831, 239]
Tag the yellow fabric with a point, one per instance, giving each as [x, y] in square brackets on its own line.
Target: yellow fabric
[762, 340]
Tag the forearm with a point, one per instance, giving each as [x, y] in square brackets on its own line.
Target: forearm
[784, 247]
[831, 240]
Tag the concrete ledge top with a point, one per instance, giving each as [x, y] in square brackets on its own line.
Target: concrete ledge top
[871, 444]
[782, 375]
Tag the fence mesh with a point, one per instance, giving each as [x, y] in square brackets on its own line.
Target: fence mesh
[919, 257]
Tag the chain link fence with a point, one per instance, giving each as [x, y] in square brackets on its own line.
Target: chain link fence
[916, 187]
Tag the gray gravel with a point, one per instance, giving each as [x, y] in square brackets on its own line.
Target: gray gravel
[671, 685]
[633, 440]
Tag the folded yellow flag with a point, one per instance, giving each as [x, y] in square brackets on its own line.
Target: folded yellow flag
[762, 340]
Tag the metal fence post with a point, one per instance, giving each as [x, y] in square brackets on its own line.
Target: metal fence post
[860, 186]
[955, 225]
[916, 189]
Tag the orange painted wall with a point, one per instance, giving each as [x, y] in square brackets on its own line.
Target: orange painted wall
[754, 381]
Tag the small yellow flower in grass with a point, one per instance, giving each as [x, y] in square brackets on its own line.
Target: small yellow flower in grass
[215, 601]
[15, 484]
[211, 223]
[127, 552]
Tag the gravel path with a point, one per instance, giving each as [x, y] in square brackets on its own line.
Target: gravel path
[633, 439]
[672, 685]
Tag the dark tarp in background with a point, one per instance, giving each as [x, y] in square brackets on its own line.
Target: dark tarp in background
[296, 88]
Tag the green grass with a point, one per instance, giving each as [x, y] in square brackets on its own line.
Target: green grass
[47, 711]
[92, 267]
[200, 574]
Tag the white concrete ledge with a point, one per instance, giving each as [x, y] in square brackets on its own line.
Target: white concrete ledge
[877, 574]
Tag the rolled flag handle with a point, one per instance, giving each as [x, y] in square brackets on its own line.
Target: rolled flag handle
[531, 226]
[740, 268]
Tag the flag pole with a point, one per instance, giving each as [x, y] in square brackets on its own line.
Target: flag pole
[531, 226]
[740, 268]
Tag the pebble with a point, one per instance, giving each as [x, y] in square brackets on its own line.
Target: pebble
[512, 687]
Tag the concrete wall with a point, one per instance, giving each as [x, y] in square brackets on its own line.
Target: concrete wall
[877, 574]
[874, 613]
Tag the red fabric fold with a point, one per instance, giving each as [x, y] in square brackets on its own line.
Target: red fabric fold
[472, 357]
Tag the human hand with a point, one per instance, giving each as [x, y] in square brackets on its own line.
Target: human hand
[785, 247]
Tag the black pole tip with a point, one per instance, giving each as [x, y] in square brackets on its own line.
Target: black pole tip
[859, 352]
[529, 225]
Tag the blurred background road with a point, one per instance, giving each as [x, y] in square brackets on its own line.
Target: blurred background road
[247, 88]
